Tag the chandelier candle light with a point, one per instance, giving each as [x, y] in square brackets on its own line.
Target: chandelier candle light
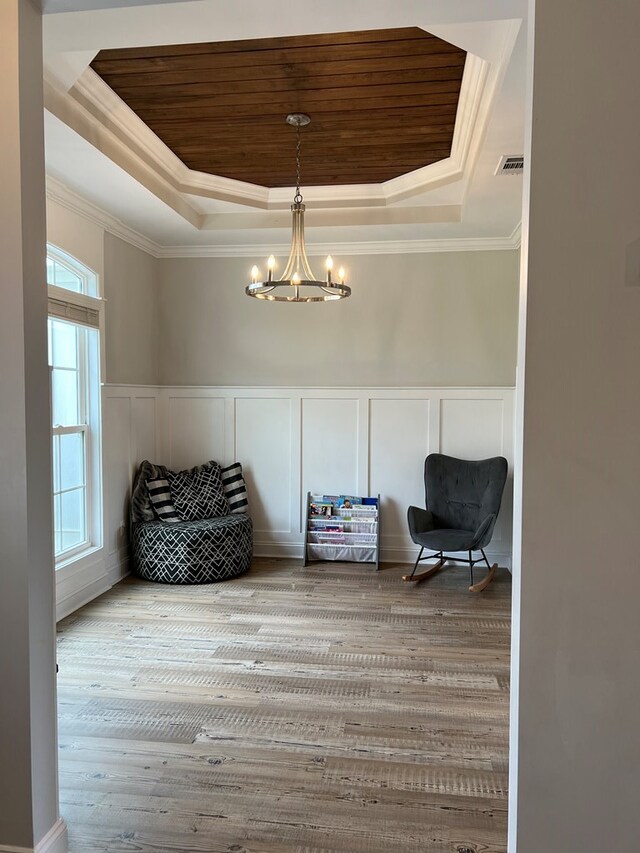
[297, 284]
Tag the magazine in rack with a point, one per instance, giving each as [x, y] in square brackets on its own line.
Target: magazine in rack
[342, 527]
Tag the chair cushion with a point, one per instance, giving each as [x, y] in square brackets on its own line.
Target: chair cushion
[234, 488]
[198, 493]
[445, 539]
[160, 497]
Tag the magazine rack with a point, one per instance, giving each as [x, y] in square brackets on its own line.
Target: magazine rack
[341, 528]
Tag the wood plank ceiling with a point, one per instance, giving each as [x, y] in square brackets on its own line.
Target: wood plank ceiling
[382, 103]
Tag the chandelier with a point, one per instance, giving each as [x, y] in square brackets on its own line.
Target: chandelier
[297, 283]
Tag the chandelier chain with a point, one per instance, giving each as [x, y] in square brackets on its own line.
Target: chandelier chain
[298, 196]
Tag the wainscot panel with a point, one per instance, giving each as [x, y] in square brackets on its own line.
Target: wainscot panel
[290, 440]
[263, 442]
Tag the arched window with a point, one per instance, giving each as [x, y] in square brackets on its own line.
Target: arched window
[67, 272]
[74, 360]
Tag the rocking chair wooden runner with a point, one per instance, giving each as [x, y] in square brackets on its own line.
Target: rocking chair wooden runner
[462, 504]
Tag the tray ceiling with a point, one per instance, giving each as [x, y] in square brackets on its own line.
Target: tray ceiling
[382, 102]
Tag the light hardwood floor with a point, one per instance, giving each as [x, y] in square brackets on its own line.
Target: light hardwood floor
[320, 710]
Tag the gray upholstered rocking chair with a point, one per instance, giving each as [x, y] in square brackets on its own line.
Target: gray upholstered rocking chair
[462, 504]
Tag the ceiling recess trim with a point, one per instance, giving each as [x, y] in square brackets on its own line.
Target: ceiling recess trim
[107, 137]
[94, 111]
[66, 197]
[98, 99]
[219, 106]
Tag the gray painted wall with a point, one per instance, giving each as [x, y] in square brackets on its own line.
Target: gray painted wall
[576, 739]
[132, 338]
[441, 319]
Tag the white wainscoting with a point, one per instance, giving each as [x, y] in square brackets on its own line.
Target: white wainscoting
[131, 417]
[294, 440]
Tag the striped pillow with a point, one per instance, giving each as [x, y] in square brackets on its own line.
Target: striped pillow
[160, 497]
[234, 488]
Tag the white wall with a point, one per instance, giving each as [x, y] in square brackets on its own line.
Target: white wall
[433, 319]
[294, 440]
[576, 738]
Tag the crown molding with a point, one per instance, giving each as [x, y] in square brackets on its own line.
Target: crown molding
[65, 197]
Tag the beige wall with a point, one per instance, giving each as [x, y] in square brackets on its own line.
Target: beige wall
[127, 280]
[434, 319]
[132, 336]
[443, 319]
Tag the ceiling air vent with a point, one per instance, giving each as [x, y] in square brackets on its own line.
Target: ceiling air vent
[510, 164]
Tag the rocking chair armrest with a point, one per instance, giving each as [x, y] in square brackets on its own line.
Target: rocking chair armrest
[482, 536]
[420, 520]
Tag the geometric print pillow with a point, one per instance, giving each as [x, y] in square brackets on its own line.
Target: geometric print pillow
[198, 493]
[160, 497]
[234, 488]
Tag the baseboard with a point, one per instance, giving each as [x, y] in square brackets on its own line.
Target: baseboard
[278, 550]
[407, 555]
[404, 554]
[55, 841]
[120, 570]
[82, 596]
[94, 588]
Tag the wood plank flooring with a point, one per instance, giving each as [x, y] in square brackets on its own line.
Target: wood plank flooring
[330, 709]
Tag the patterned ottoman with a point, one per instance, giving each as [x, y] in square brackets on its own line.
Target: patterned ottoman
[186, 552]
[191, 552]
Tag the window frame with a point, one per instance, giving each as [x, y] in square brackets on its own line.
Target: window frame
[85, 312]
[82, 427]
[89, 278]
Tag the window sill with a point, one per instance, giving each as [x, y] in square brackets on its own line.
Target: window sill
[89, 551]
